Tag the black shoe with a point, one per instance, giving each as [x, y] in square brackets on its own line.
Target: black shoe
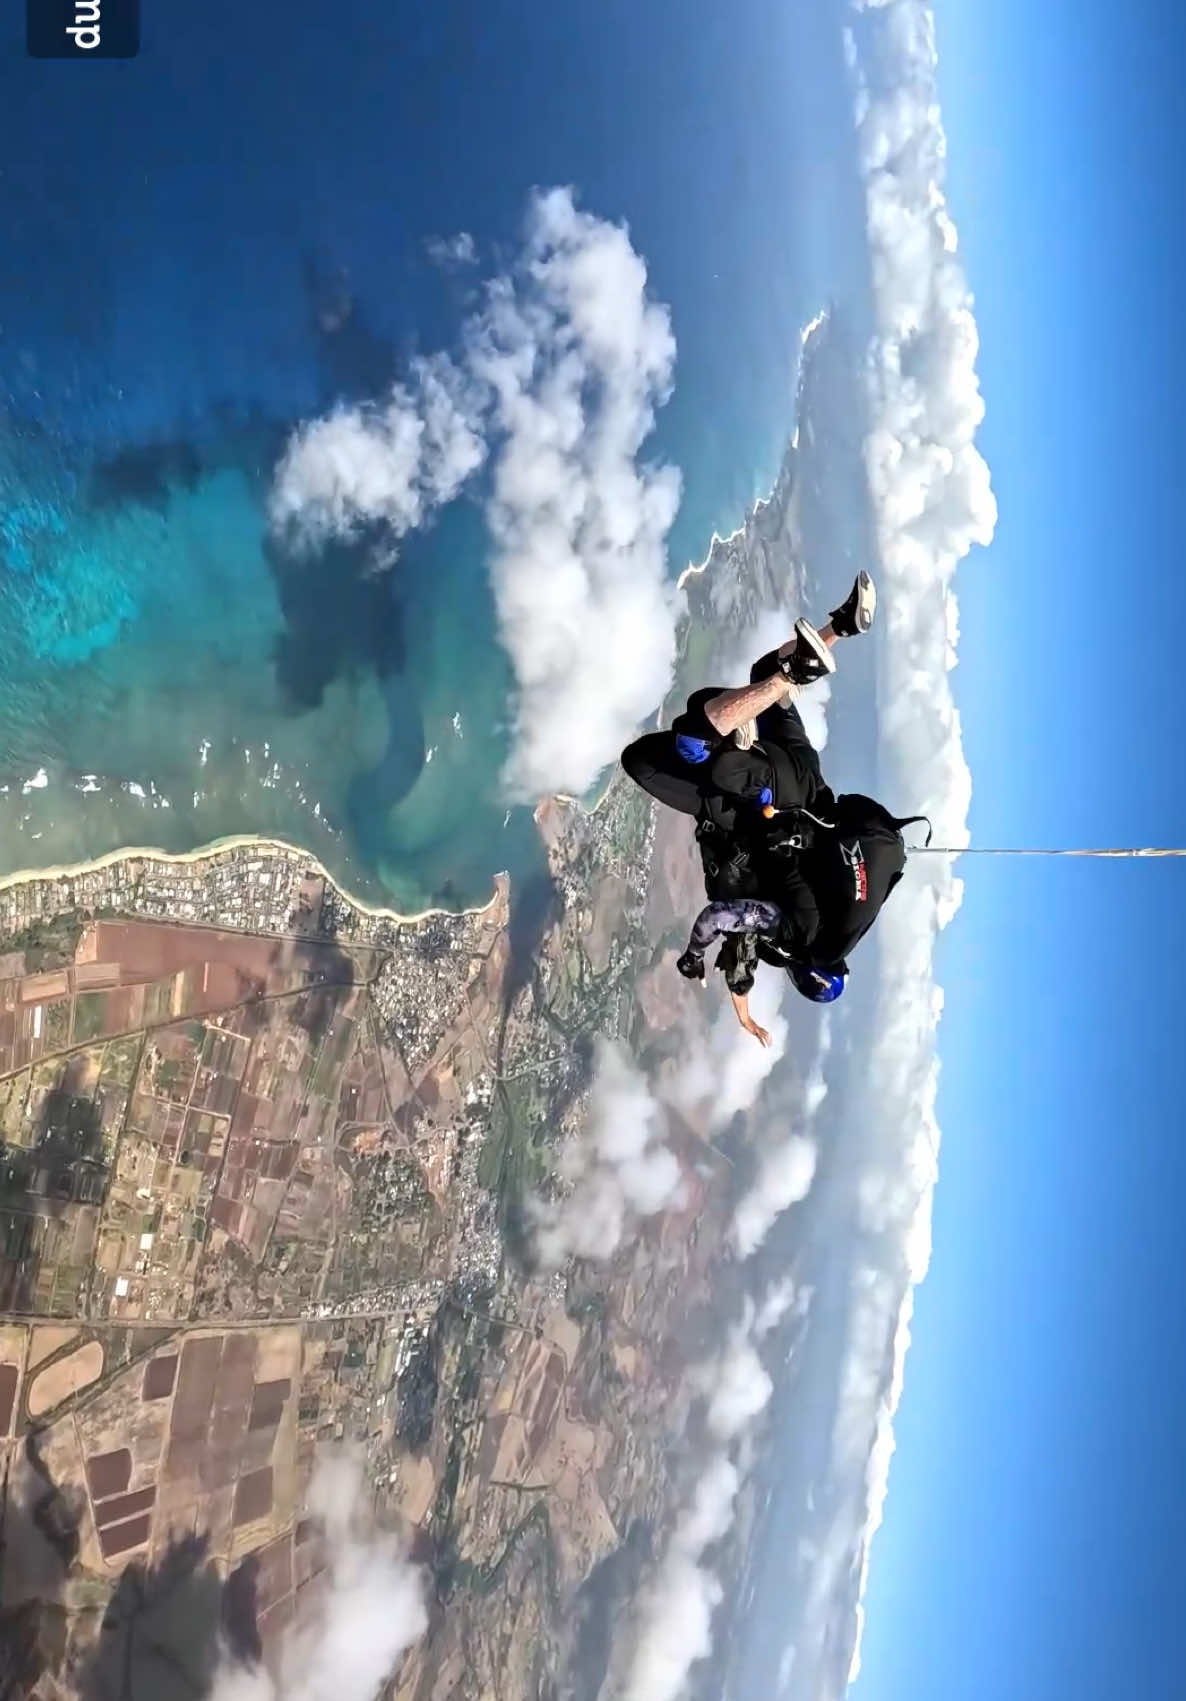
[811, 659]
[690, 965]
[855, 614]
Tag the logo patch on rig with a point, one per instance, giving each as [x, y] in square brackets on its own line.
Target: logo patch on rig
[854, 857]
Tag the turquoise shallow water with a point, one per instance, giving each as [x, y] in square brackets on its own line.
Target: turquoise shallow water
[177, 227]
[151, 694]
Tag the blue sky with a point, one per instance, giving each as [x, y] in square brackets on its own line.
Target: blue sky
[1037, 1504]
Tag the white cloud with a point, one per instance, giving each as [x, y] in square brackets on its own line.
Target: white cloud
[677, 1607]
[786, 1170]
[860, 1447]
[786, 1668]
[577, 359]
[878, 1466]
[723, 1074]
[783, 1297]
[389, 465]
[710, 1514]
[675, 1611]
[619, 1169]
[450, 252]
[740, 1388]
[933, 501]
[784, 1178]
[930, 484]
[812, 705]
[678, 1610]
[372, 1611]
[563, 368]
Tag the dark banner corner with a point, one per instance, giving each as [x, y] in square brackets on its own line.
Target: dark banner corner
[83, 29]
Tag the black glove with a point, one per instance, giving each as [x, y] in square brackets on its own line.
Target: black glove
[691, 965]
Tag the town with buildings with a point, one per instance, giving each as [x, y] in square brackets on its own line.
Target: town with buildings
[264, 1159]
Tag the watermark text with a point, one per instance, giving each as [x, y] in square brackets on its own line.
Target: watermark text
[83, 29]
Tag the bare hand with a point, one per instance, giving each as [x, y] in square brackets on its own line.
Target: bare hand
[760, 1034]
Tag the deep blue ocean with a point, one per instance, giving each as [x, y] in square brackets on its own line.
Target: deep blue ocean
[177, 231]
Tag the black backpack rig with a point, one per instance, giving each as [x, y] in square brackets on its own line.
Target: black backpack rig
[852, 861]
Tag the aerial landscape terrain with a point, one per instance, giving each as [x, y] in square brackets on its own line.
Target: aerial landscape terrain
[439, 445]
[263, 1168]
[411, 1287]
[270, 1163]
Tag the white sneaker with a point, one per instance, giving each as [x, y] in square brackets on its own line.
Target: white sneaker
[811, 659]
[855, 614]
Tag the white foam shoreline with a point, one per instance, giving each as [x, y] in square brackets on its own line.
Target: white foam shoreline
[218, 848]
[240, 841]
[695, 568]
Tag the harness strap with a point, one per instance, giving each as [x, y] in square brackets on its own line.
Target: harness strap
[901, 821]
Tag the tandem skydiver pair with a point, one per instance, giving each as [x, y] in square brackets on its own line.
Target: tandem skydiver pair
[795, 874]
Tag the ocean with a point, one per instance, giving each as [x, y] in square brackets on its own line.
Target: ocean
[221, 238]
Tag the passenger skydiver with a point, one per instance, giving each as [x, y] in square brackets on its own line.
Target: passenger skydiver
[825, 881]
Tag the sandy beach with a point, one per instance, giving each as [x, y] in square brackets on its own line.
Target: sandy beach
[222, 847]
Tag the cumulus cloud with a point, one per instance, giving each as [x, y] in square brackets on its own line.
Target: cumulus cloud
[812, 705]
[786, 1169]
[369, 1614]
[561, 371]
[675, 1619]
[933, 501]
[723, 1074]
[677, 1608]
[737, 1385]
[786, 1668]
[577, 359]
[451, 252]
[781, 1296]
[860, 1448]
[709, 1516]
[784, 1178]
[878, 1465]
[389, 464]
[930, 484]
[619, 1170]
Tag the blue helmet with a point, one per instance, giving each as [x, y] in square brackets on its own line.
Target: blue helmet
[821, 988]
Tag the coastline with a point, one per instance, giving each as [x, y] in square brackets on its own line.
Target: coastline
[501, 880]
[217, 848]
[695, 568]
